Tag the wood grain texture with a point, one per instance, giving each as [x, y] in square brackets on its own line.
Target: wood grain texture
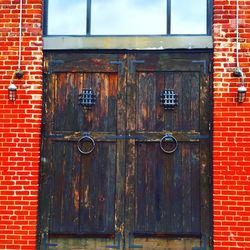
[127, 185]
[78, 193]
[169, 197]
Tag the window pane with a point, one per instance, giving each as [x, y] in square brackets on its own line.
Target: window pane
[189, 17]
[67, 17]
[128, 17]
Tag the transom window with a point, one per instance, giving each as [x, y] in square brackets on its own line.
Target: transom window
[127, 17]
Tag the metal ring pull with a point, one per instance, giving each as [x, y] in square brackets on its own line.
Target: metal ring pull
[168, 144]
[86, 144]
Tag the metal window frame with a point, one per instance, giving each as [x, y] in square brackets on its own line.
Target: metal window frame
[165, 41]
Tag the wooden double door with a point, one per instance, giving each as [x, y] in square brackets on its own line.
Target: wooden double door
[146, 182]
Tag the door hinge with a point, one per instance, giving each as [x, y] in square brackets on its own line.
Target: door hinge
[132, 65]
[210, 126]
[48, 65]
[204, 62]
[131, 242]
[117, 242]
[211, 241]
[47, 243]
[121, 64]
[210, 67]
[210, 180]
[204, 247]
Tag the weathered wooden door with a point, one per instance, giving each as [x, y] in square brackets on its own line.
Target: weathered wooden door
[127, 193]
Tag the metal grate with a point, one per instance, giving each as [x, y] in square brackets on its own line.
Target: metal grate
[87, 99]
[169, 99]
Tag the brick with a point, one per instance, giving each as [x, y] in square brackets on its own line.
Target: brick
[231, 127]
[15, 209]
[235, 120]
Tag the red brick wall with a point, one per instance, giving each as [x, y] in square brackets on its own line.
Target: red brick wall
[20, 127]
[19, 124]
[231, 128]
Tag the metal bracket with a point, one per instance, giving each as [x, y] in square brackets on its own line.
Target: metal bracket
[132, 65]
[121, 64]
[53, 63]
[46, 243]
[131, 242]
[199, 137]
[204, 62]
[117, 242]
[138, 137]
[54, 136]
[204, 239]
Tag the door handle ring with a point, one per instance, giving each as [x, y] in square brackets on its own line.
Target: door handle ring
[86, 144]
[168, 139]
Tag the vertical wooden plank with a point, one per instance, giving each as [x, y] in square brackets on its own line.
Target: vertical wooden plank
[176, 194]
[106, 189]
[45, 194]
[100, 110]
[121, 150]
[160, 112]
[46, 168]
[151, 103]
[196, 188]
[141, 192]
[170, 114]
[167, 165]
[65, 212]
[186, 188]
[194, 101]
[142, 114]
[205, 156]
[66, 102]
[109, 196]
[177, 114]
[112, 102]
[150, 187]
[131, 155]
[98, 190]
[86, 191]
[185, 101]
[103, 111]
[161, 192]
[87, 116]
[102, 115]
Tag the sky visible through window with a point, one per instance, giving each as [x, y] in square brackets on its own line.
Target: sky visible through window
[67, 17]
[189, 17]
[127, 17]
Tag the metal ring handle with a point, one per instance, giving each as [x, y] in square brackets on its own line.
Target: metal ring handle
[87, 139]
[169, 138]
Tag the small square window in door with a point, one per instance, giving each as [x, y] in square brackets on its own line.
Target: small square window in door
[87, 99]
[169, 99]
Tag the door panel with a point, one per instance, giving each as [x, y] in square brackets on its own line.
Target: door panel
[127, 193]
[165, 192]
[80, 200]
[74, 193]
[151, 115]
[68, 115]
